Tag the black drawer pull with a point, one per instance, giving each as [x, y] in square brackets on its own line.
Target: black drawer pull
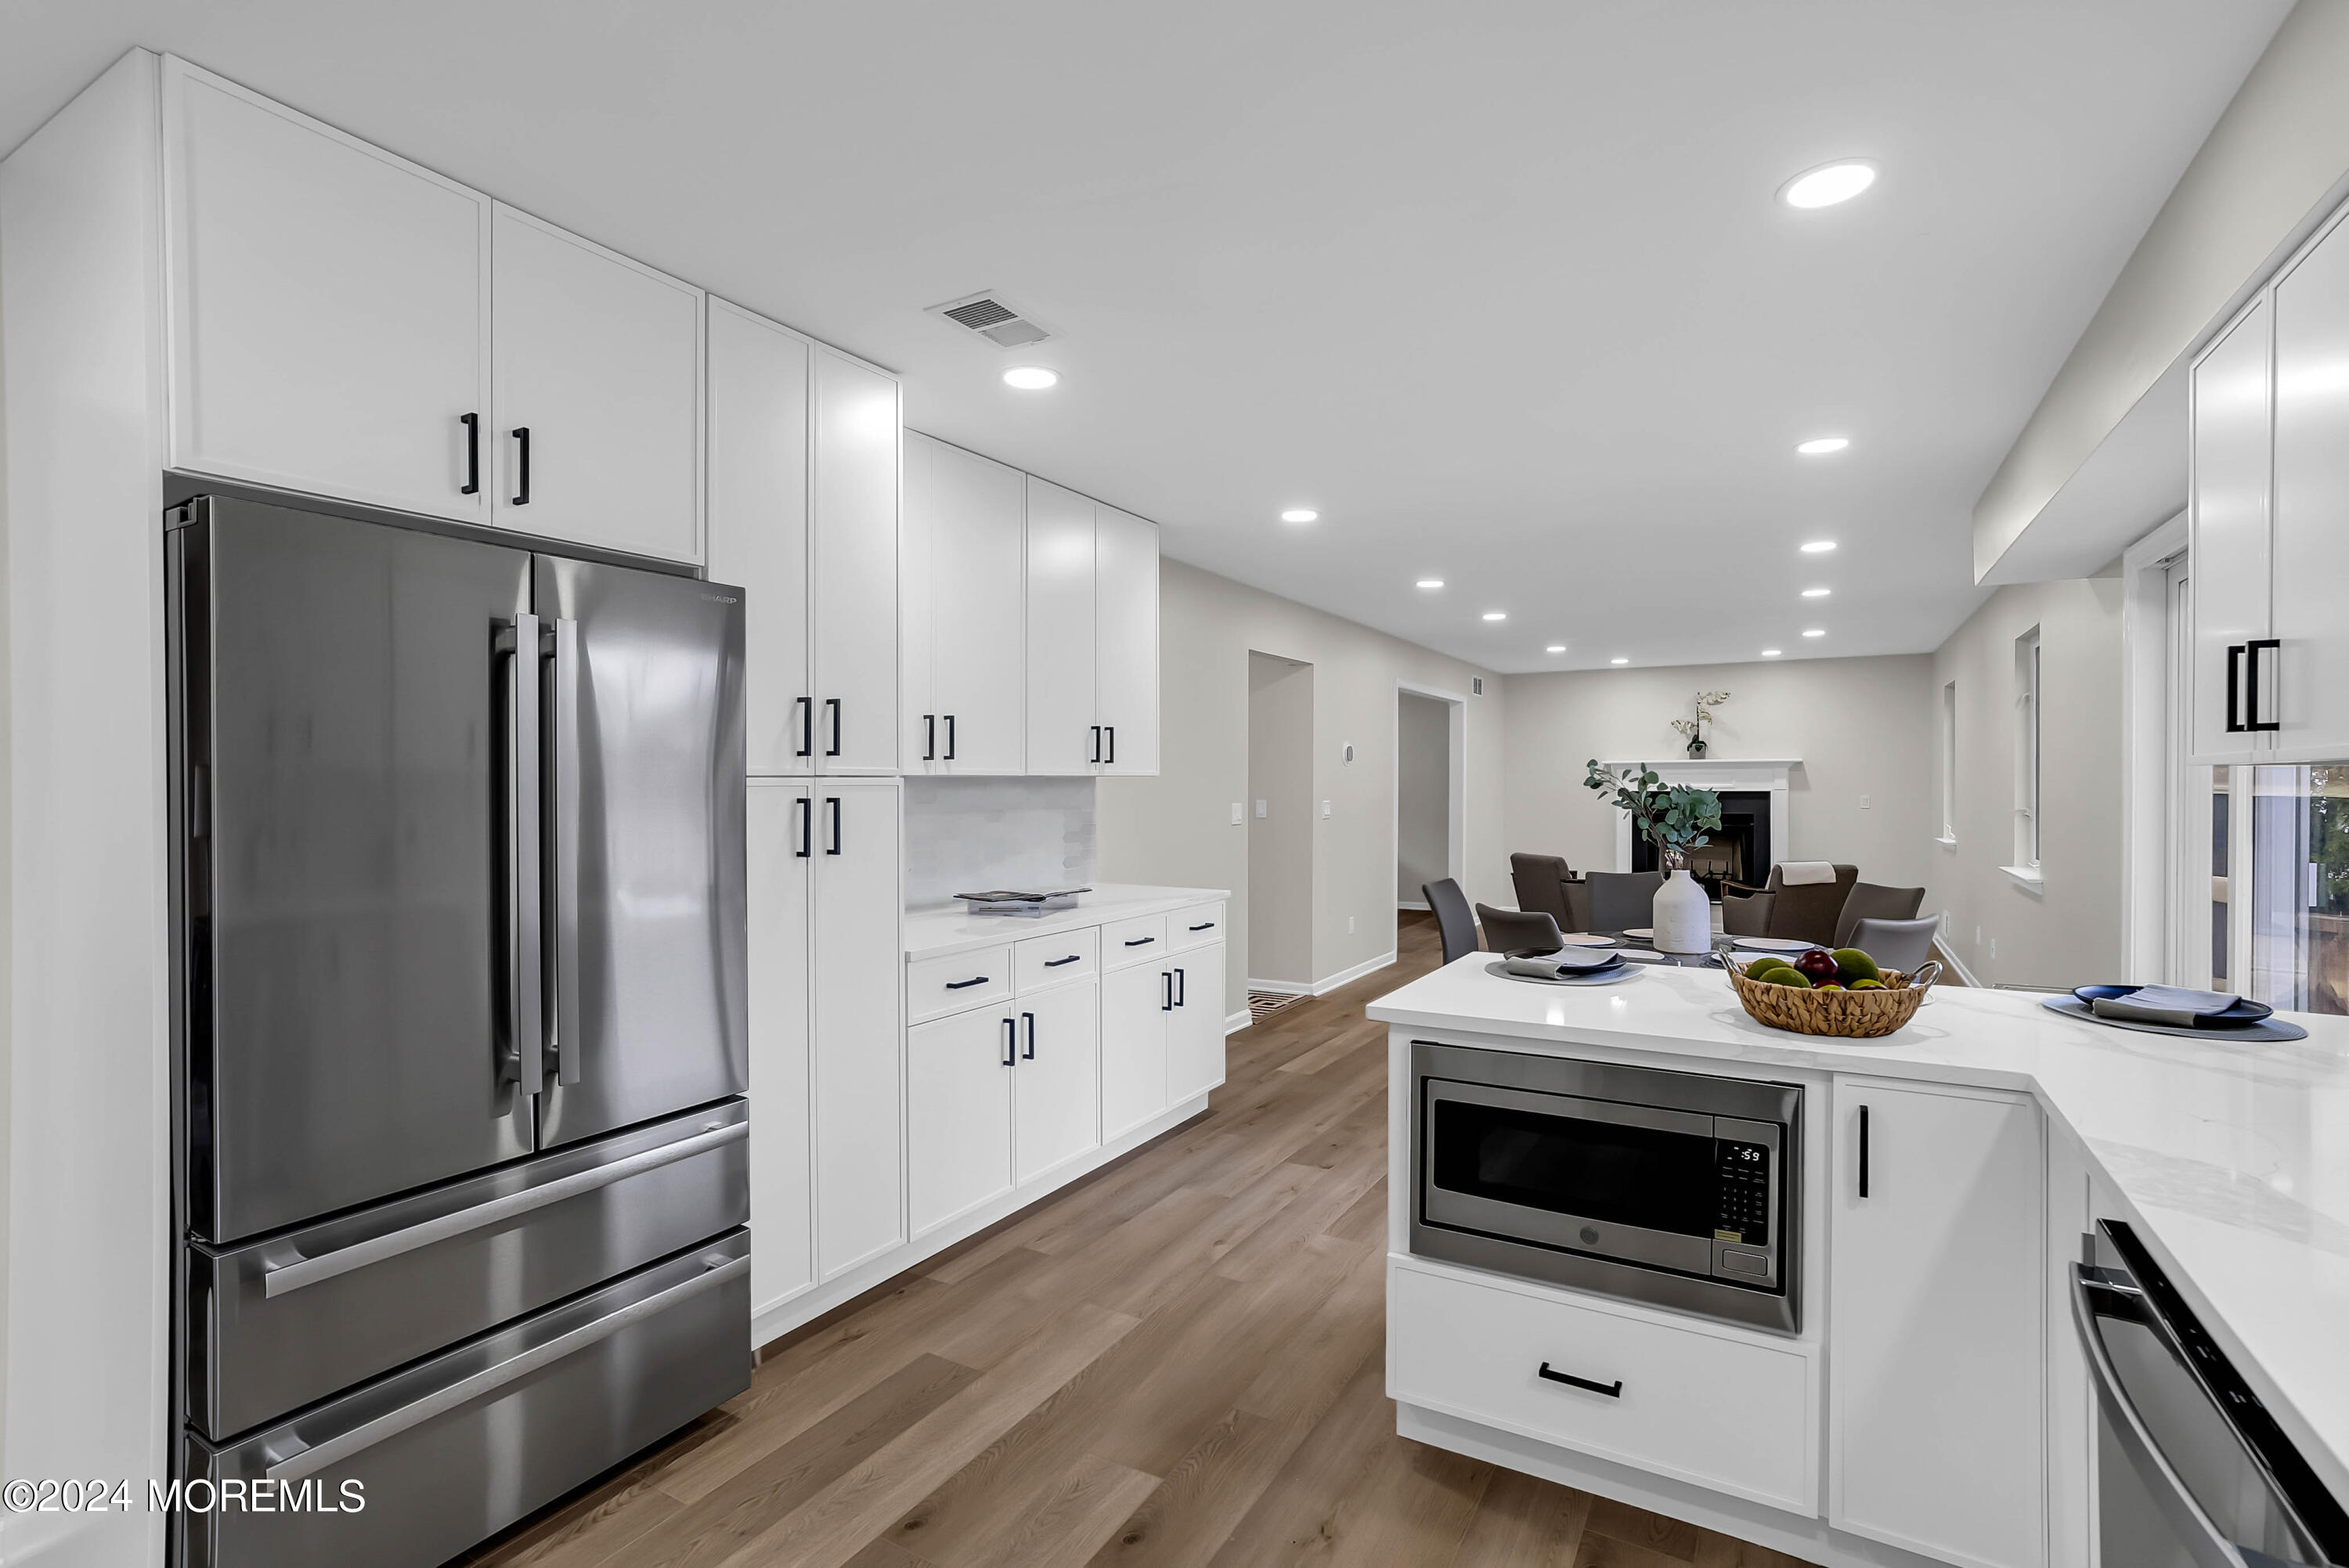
[1612, 1391]
[1142, 942]
[1056, 963]
[965, 984]
[1205, 926]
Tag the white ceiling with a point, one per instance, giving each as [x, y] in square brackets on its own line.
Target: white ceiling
[1501, 289]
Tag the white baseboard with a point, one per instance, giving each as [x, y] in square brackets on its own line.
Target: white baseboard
[1238, 1021]
[781, 1317]
[1409, 904]
[1965, 974]
[1330, 982]
[1283, 987]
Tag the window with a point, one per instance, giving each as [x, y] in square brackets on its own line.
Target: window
[2026, 757]
[1950, 763]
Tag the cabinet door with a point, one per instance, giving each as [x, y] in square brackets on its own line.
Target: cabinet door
[1057, 1088]
[1937, 1277]
[958, 1077]
[1135, 1005]
[853, 596]
[1063, 736]
[782, 1195]
[978, 600]
[1125, 554]
[857, 973]
[329, 308]
[924, 503]
[758, 521]
[1194, 1031]
[2228, 523]
[2312, 505]
[599, 360]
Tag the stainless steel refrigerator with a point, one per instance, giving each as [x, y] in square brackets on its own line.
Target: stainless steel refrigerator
[463, 1157]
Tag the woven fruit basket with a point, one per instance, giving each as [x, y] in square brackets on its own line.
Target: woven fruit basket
[1854, 1015]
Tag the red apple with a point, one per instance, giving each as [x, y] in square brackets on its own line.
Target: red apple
[1818, 964]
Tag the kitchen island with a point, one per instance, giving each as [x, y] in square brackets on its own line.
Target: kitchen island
[1934, 1405]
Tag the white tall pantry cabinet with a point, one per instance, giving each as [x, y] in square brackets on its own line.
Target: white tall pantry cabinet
[780, 841]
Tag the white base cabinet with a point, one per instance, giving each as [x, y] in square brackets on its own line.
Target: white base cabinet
[1937, 1300]
[1136, 1002]
[959, 1073]
[1195, 1030]
[1056, 1090]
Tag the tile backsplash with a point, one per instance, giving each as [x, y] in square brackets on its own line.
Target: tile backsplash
[969, 835]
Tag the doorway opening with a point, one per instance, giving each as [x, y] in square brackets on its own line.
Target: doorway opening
[1431, 775]
[1280, 826]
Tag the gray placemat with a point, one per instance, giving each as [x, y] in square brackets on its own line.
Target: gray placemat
[2268, 1030]
[1596, 977]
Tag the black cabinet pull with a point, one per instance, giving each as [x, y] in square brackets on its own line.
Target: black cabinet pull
[1011, 1044]
[834, 702]
[807, 726]
[1056, 963]
[930, 738]
[834, 802]
[472, 485]
[1030, 1020]
[1167, 990]
[1612, 1391]
[2251, 720]
[1096, 743]
[1142, 942]
[1863, 1151]
[1181, 988]
[965, 984]
[522, 492]
[950, 738]
[1205, 926]
[807, 829]
[2234, 684]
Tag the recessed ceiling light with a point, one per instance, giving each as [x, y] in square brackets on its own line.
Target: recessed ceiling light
[1820, 446]
[1497, 614]
[1618, 661]
[1772, 653]
[1815, 632]
[1818, 547]
[1555, 648]
[1300, 514]
[1816, 592]
[1431, 583]
[1828, 183]
[1031, 377]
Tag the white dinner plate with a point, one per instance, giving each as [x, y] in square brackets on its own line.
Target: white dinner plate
[1645, 933]
[1773, 944]
[1586, 939]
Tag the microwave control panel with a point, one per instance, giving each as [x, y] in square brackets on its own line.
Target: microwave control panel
[1744, 1192]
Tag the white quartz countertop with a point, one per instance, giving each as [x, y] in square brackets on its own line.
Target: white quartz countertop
[2232, 1160]
[934, 931]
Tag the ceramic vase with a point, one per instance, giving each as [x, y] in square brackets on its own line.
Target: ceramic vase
[1683, 914]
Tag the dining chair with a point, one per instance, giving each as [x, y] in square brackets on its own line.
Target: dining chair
[1805, 912]
[1454, 922]
[1519, 929]
[1621, 901]
[1873, 901]
[1902, 944]
[1547, 883]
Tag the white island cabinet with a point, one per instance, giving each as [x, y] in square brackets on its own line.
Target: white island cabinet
[1929, 1402]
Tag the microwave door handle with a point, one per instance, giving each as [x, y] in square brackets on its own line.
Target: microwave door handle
[2204, 1541]
[563, 849]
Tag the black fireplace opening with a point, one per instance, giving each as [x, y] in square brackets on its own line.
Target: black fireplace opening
[1740, 851]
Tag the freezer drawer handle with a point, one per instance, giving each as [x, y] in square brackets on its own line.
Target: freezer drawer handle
[359, 1439]
[280, 1278]
[1612, 1391]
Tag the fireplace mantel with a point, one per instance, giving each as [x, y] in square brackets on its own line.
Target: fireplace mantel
[1770, 773]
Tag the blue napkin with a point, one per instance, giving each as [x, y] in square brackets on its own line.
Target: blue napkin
[2173, 1005]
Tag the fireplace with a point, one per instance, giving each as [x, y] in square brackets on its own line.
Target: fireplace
[1740, 851]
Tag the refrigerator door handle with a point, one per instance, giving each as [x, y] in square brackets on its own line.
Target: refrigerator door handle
[359, 1439]
[280, 1279]
[563, 851]
[524, 1057]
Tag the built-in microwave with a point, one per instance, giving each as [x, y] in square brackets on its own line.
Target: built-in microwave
[1682, 1189]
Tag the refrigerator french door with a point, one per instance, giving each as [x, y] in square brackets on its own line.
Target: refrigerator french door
[459, 893]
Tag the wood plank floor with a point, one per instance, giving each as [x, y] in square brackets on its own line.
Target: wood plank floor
[1178, 1362]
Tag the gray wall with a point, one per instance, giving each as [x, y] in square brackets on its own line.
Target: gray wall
[1423, 795]
[1280, 842]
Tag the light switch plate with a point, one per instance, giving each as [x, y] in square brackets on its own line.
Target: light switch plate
[1238, 813]
[1260, 811]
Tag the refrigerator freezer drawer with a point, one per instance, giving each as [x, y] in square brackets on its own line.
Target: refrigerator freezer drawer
[279, 1324]
[453, 1450]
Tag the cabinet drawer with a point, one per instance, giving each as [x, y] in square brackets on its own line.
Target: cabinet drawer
[1134, 941]
[937, 987]
[1056, 959]
[1195, 926]
[1691, 1403]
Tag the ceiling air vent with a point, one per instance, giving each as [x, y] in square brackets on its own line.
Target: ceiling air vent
[992, 320]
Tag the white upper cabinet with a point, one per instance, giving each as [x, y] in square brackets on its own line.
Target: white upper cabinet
[2229, 535]
[852, 592]
[1126, 669]
[964, 591]
[329, 308]
[2311, 702]
[758, 487]
[598, 393]
[1938, 1298]
[1063, 725]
